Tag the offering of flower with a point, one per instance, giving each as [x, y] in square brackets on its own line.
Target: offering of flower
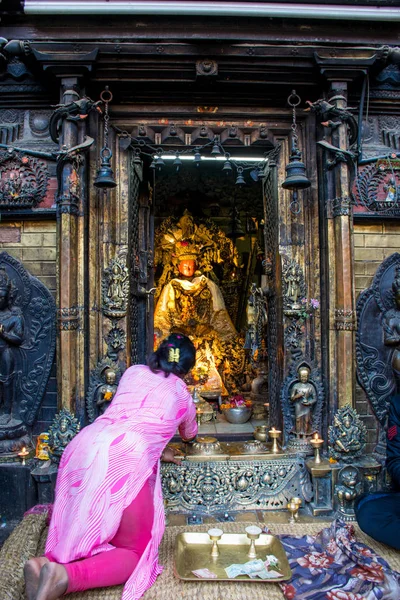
[237, 402]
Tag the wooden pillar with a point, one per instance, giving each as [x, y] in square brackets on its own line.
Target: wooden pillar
[71, 275]
[344, 321]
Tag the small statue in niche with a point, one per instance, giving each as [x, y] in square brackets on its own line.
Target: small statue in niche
[42, 446]
[106, 392]
[64, 427]
[391, 329]
[293, 292]
[115, 287]
[347, 435]
[304, 395]
[103, 383]
[349, 487]
[11, 336]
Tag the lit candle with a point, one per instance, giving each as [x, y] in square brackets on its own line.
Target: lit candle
[23, 454]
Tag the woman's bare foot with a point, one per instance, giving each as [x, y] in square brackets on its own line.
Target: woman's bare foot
[53, 582]
[32, 570]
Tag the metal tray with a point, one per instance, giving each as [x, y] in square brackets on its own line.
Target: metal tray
[193, 551]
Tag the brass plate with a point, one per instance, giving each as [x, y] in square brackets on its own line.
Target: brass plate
[193, 551]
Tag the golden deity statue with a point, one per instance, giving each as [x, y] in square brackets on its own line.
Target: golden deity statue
[192, 303]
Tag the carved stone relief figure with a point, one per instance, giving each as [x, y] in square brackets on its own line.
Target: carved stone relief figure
[378, 337]
[347, 435]
[27, 346]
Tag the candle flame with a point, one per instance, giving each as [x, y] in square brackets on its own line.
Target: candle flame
[315, 436]
[273, 429]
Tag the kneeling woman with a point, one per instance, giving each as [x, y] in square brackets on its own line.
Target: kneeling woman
[108, 517]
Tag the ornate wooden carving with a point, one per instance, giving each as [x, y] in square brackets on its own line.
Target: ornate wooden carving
[377, 187]
[23, 180]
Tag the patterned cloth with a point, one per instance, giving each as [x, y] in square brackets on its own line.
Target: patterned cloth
[106, 465]
[334, 566]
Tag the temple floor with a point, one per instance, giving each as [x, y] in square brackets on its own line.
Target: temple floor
[29, 537]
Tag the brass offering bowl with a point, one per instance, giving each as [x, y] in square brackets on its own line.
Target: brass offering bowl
[204, 446]
[254, 447]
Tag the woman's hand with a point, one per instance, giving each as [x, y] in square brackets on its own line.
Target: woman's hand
[168, 455]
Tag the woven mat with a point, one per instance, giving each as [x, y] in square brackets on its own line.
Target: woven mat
[29, 537]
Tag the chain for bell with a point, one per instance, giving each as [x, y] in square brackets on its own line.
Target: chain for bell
[105, 175]
[296, 178]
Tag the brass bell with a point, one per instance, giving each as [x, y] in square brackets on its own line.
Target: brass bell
[105, 176]
[296, 178]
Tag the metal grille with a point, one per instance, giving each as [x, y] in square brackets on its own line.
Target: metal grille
[273, 271]
[133, 259]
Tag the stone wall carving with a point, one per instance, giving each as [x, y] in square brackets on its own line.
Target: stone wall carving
[27, 346]
[374, 358]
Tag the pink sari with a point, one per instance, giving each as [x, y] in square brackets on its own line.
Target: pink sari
[105, 466]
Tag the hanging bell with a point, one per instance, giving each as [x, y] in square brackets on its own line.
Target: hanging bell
[197, 158]
[227, 168]
[159, 162]
[215, 149]
[240, 179]
[296, 178]
[105, 176]
[177, 163]
[236, 230]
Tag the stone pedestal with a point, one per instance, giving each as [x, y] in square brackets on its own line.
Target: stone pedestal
[45, 475]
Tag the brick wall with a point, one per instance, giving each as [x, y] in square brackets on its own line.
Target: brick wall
[372, 244]
[34, 244]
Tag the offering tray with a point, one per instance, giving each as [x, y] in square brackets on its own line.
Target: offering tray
[193, 551]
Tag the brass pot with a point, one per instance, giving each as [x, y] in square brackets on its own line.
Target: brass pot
[261, 433]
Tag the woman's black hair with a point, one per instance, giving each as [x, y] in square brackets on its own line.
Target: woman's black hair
[176, 354]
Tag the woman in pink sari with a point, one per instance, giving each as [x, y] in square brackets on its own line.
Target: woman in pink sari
[108, 516]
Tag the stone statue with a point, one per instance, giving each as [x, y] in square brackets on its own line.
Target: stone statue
[349, 487]
[378, 341]
[304, 395]
[27, 346]
[11, 336]
[347, 435]
[103, 383]
[106, 392]
[391, 329]
[64, 427]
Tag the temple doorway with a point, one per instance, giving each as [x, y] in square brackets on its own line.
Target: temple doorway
[209, 276]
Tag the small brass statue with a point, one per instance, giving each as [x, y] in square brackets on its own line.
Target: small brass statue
[304, 395]
[115, 287]
[347, 435]
[106, 392]
[64, 427]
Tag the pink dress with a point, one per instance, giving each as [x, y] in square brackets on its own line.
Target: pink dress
[105, 466]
